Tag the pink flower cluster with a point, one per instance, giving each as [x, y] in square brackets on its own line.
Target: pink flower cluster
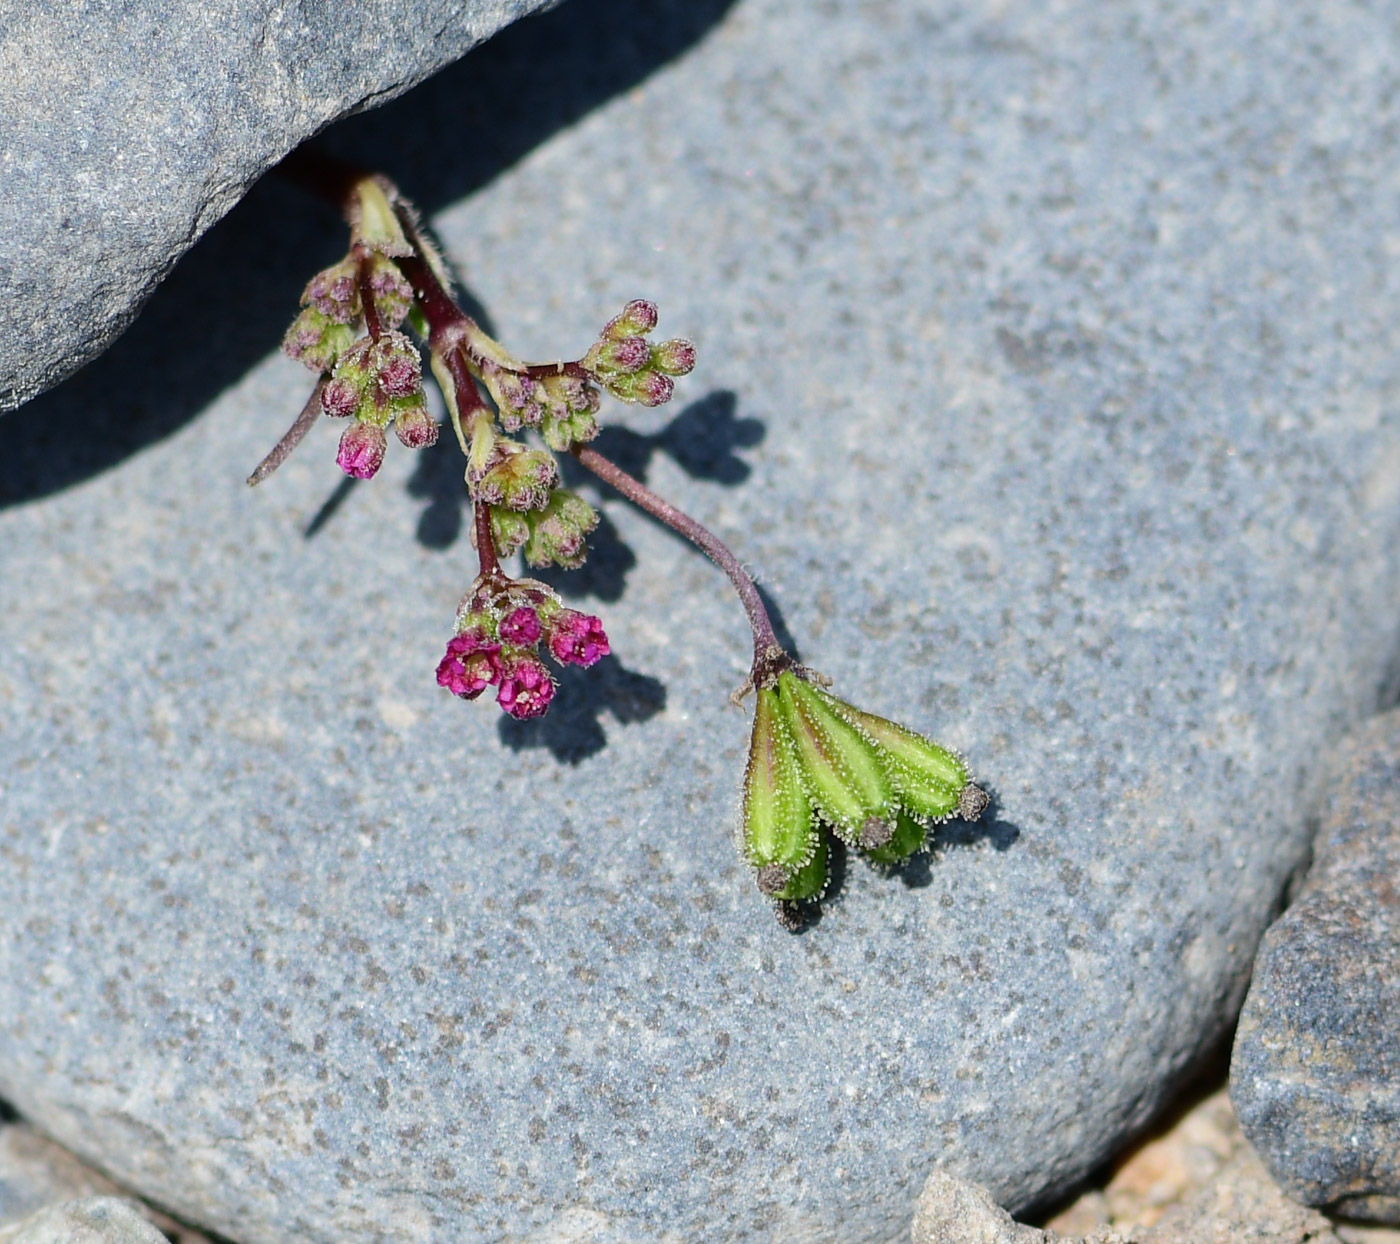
[524, 688]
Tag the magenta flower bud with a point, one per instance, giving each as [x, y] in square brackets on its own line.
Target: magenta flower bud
[391, 293]
[361, 450]
[675, 357]
[400, 376]
[526, 688]
[415, 428]
[470, 665]
[638, 316]
[334, 294]
[520, 627]
[654, 389]
[628, 355]
[577, 638]
[340, 399]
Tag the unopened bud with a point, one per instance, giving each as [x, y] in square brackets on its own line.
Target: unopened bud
[340, 399]
[415, 428]
[627, 354]
[361, 451]
[334, 293]
[638, 317]
[315, 341]
[517, 478]
[675, 357]
[398, 369]
[558, 531]
[653, 389]
[392, 294]
[561, 434]
[509, 530]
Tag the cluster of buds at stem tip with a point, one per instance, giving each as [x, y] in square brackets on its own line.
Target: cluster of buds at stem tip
[817, 765]
[501, 625]
[373, 380]
[633, 368]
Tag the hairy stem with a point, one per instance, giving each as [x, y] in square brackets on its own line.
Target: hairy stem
[485, 541]
[292, 438]
[367, 304]
[769, 658]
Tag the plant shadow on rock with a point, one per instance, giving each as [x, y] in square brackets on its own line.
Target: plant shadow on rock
[218, 314]
[571, 730]
[917, 871]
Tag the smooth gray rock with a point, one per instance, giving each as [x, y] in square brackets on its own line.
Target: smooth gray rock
[95, 1220]
[35, 1172]
[1070, 342]
[127, 130]
[1314, 1072]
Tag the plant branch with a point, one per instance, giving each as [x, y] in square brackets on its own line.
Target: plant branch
[769, 658]
[485, 541]
[292, 438]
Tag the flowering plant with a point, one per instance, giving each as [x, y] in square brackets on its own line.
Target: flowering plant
[817, 766]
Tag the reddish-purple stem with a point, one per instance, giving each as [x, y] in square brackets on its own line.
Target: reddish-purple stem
[769, 659]
[293, 436]
[367, 303]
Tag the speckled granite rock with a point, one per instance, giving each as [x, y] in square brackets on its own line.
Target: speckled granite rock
[126, 131]
[1072, 357]
[96, 1220]
[1314, 1074]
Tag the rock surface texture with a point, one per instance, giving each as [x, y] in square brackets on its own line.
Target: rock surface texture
[1314, 1074]
[1047, 373]
[1241, 1204]
[95, 1220]
[127, 130]
[35, 1173]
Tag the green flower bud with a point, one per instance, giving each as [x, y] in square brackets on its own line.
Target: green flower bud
[335, 293]
[675, 357]
[780, 836]
[622, 354]
[509, 530]
[637, 319]
[316, 341]
[649, 388]
[841, 768]
[517, 478]
[559, 434]
[558, 531]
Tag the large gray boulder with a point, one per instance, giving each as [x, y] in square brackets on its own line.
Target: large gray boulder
[1072, 350]
[1314, 1070]
[127, 130]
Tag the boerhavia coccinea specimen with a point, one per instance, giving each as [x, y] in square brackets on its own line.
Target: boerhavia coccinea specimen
[817, 766]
